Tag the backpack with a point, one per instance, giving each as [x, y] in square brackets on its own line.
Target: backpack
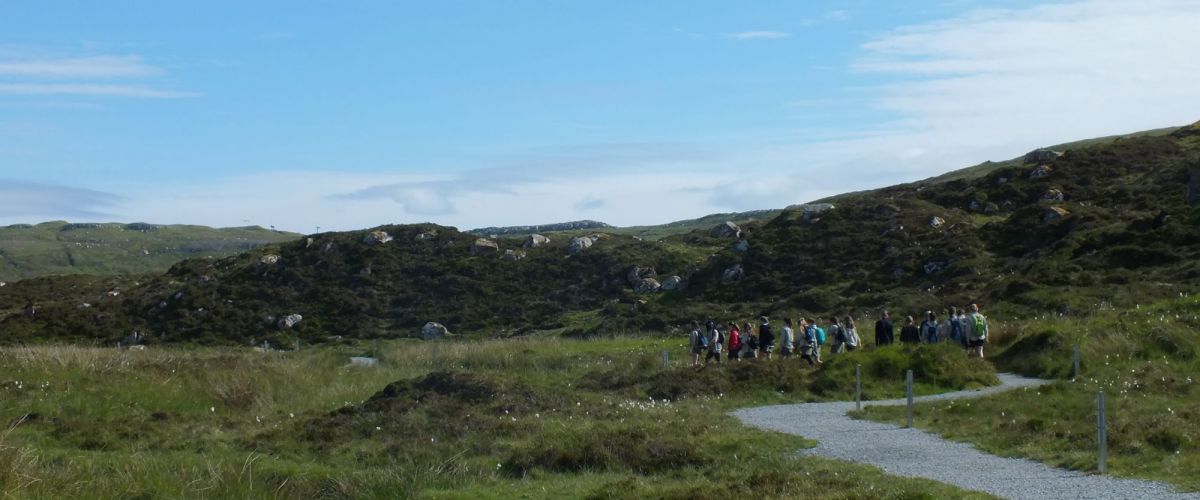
[820, 336]
[702, 341]
[720, 337]
[839, 334]
[852, 337]
[955, 329]
[930, 330]
[980, 324]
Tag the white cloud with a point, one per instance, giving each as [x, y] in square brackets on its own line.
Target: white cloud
[78, 67]
[30, 71]
[760, 35]
[92, 89]
[19, 200]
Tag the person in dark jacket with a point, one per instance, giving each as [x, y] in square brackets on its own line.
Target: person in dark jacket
[766, 339]
[885, 333]
[910, 334]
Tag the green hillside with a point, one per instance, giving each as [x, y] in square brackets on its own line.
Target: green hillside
[1103, 223]
[84, 248]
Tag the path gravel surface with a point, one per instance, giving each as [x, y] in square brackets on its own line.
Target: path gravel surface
[917, 453]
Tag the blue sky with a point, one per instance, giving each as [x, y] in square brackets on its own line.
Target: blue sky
[473, 113]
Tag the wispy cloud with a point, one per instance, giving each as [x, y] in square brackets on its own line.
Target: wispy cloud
[92, 89]
[78, 67]
[31, 71]
[589, 203]
[760, 35]
[29, 199]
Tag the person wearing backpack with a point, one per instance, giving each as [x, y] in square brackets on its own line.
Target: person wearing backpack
[810, 337]
[735, 341]
[884, 330]
[929, 328]
[716, 340]
[808, 342]
[819, 333]
[945, 327]
[852, 339]
[786, 339]
[766, 339]
[839, 336]
[697, 343]
[977, 331]
[964, 330]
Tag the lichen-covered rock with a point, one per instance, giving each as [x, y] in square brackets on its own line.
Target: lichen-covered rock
[513, 255]
[484, 246]
[672, 283]
[269, 259]
[936, 222]
[290, 320]
[376, 238]
[1040, 172]
[1041, 155]
[579, 244]
[434, 331]
[426, 236]
[733, 274]
[535, 240]
[636, 274]
[726, 229]
[647, 285]
[1052, 195]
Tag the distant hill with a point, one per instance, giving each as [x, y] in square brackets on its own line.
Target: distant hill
[1110, 222]
[541, 228]
[686, 226]
[60, 247]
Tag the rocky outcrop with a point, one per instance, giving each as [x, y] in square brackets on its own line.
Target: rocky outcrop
[484, 246]
[513, 255]
[376, 238]
[269, 259]
[936, 222]
[1054, 214]
[733, 274]
[541, 228]
[535, 240]
[1052, 195]
[812, 211]
[647, 285]
[426, 236]
[579, 244]
[726, 229]
[1040, 172]
[1041, 155]
[742, 246]
[289, 321]
[434, 331]
[672, 283]
[636, 274]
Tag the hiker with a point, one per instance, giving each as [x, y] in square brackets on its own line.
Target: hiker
[808, 343]
[977, 331]
[963, 329]
[852, 339]
[735, 341]
[819, 334]
[810, 336]
[884, 331]
[716, 340]
[929, 328]
[946, 328]
[786, 339]
[766, 339]
[697, 343]
[750, 346]
[839, 336]
[910, 334]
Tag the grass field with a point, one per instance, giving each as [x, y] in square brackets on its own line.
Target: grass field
[533, 417]
[1145, 361]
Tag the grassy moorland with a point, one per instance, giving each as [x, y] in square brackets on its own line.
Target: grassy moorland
[1144, 359]
[544, 417]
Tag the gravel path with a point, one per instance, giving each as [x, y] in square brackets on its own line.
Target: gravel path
[916, 453]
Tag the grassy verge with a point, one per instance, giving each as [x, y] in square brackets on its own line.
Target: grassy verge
[544, 417]
[1145, 361]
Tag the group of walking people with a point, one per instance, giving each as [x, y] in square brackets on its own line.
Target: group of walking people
[806, 337]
